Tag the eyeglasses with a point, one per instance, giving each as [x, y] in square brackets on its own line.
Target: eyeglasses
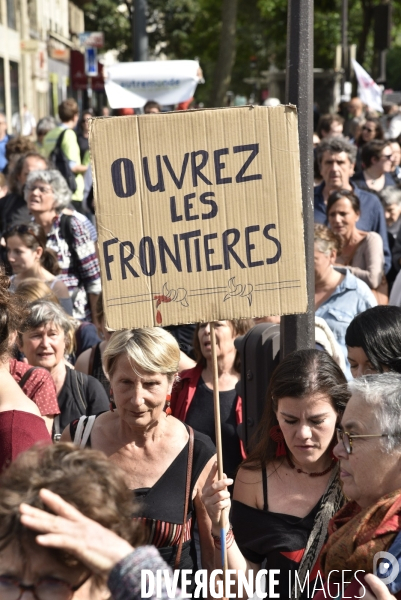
[41, 188]
[346, 438]
[45, 589]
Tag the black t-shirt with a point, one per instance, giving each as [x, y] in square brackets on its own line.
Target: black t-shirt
[80, 395]
[201, 417]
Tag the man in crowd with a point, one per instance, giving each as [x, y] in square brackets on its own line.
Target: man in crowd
[356, 117]
[69, 115]
[336, 158]
[45, 124]
[13, 208]
[377, 161]
[152, 108]
[330, 126]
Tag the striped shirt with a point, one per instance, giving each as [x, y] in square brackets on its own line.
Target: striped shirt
[83, 278]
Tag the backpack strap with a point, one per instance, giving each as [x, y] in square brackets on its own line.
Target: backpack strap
[60, 139]
[26, 376]
[187, 492]
[78, 382]
[56, 429]
[83, 431]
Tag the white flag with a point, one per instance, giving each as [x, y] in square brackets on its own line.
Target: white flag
[368, 91]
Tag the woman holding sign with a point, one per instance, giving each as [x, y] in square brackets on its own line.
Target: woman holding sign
[287, 489]
[165, 462]
[192, 397]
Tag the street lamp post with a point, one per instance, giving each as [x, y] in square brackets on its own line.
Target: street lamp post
[298, 331]
[140, 37]
[344, 45]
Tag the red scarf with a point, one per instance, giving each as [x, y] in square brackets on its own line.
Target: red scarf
[355, 535]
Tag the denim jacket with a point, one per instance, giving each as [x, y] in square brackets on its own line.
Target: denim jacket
[351, 297]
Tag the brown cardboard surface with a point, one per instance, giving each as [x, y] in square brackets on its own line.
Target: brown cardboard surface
[199, 215]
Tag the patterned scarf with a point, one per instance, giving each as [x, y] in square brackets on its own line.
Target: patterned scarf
[355, 534]
[330, 503]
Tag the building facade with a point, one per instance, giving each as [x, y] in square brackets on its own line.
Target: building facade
[36, 39]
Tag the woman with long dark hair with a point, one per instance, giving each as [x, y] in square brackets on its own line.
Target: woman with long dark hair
[30, 258]
[373, 341]
[287, 490]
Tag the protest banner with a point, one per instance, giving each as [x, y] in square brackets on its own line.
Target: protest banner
[199, 215]
[130, 85]
[199, 218]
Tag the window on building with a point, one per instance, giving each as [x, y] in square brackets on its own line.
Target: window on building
[11, 19]
[14, 87]
[2, 87]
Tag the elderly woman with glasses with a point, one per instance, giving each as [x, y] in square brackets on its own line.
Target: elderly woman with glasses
[47, 194]
[369, 452]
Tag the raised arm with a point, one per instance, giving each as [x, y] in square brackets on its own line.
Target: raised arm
[216, 498]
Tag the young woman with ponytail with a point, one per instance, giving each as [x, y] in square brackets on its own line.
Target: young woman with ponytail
[29, 258]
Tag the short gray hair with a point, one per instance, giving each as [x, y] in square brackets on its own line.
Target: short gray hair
[383, 392]
[45, 125]
[44, 312]
[335, 145]
[390, 195]
[61, 191]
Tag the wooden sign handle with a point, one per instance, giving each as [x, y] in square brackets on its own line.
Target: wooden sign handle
[219, 449]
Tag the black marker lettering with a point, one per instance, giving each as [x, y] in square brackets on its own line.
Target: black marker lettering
[249, 247]
[228, 248]
[125, 260]
[276, 257]
[164, 249]
[204, 198]
[107, 257]
[254, 150]
[196, 169]
[180, 181]
[117, 180]
[159, 186]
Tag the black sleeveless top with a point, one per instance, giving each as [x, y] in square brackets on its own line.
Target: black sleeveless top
[161, 507]
[276, 538]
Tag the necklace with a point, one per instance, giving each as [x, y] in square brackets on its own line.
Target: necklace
[333, 462]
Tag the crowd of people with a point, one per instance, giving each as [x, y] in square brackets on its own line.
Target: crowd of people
[107, 439]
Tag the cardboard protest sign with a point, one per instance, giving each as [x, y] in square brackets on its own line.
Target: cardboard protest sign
[199, 215]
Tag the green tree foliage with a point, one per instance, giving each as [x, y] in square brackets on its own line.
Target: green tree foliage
[113, 18]
[189, 29]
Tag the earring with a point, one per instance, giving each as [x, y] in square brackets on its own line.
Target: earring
[277, 436]
[168, 408]
[111, 403]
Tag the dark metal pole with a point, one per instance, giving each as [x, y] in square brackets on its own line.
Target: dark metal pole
[298, 331]
[344, 44]
[140, 37]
